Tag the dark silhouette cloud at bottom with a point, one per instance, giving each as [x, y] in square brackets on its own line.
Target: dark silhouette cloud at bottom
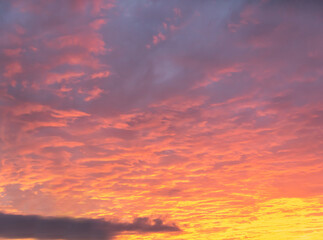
[32, 226]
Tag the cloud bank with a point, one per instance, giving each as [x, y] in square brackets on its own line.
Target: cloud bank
[32, 226]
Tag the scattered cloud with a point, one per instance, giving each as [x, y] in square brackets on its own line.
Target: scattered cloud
[208, 111]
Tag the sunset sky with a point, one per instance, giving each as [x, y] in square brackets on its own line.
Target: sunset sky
[161, 119]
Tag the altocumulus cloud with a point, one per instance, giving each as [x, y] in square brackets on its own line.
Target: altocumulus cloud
[32, 226]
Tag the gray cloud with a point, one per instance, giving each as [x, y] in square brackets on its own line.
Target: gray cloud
[33, 226]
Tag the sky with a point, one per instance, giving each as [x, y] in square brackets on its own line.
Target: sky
[161, 119]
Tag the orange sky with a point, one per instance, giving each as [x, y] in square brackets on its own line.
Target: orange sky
[207, 115]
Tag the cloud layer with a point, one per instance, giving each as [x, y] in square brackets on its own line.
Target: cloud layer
[206, 111]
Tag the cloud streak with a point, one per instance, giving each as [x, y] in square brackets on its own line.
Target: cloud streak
[32, 226]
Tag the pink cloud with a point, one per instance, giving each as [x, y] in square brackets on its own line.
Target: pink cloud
[158, 38]
[12, 52]
[91, 42]
[12, 69]
[100, 74]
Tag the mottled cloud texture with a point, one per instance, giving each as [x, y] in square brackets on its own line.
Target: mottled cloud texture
[207, 113]
[20, 226]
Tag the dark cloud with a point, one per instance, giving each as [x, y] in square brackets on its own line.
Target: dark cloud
[32, 226]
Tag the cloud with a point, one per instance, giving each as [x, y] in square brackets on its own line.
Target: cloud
[33, 226]
[96, 119]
